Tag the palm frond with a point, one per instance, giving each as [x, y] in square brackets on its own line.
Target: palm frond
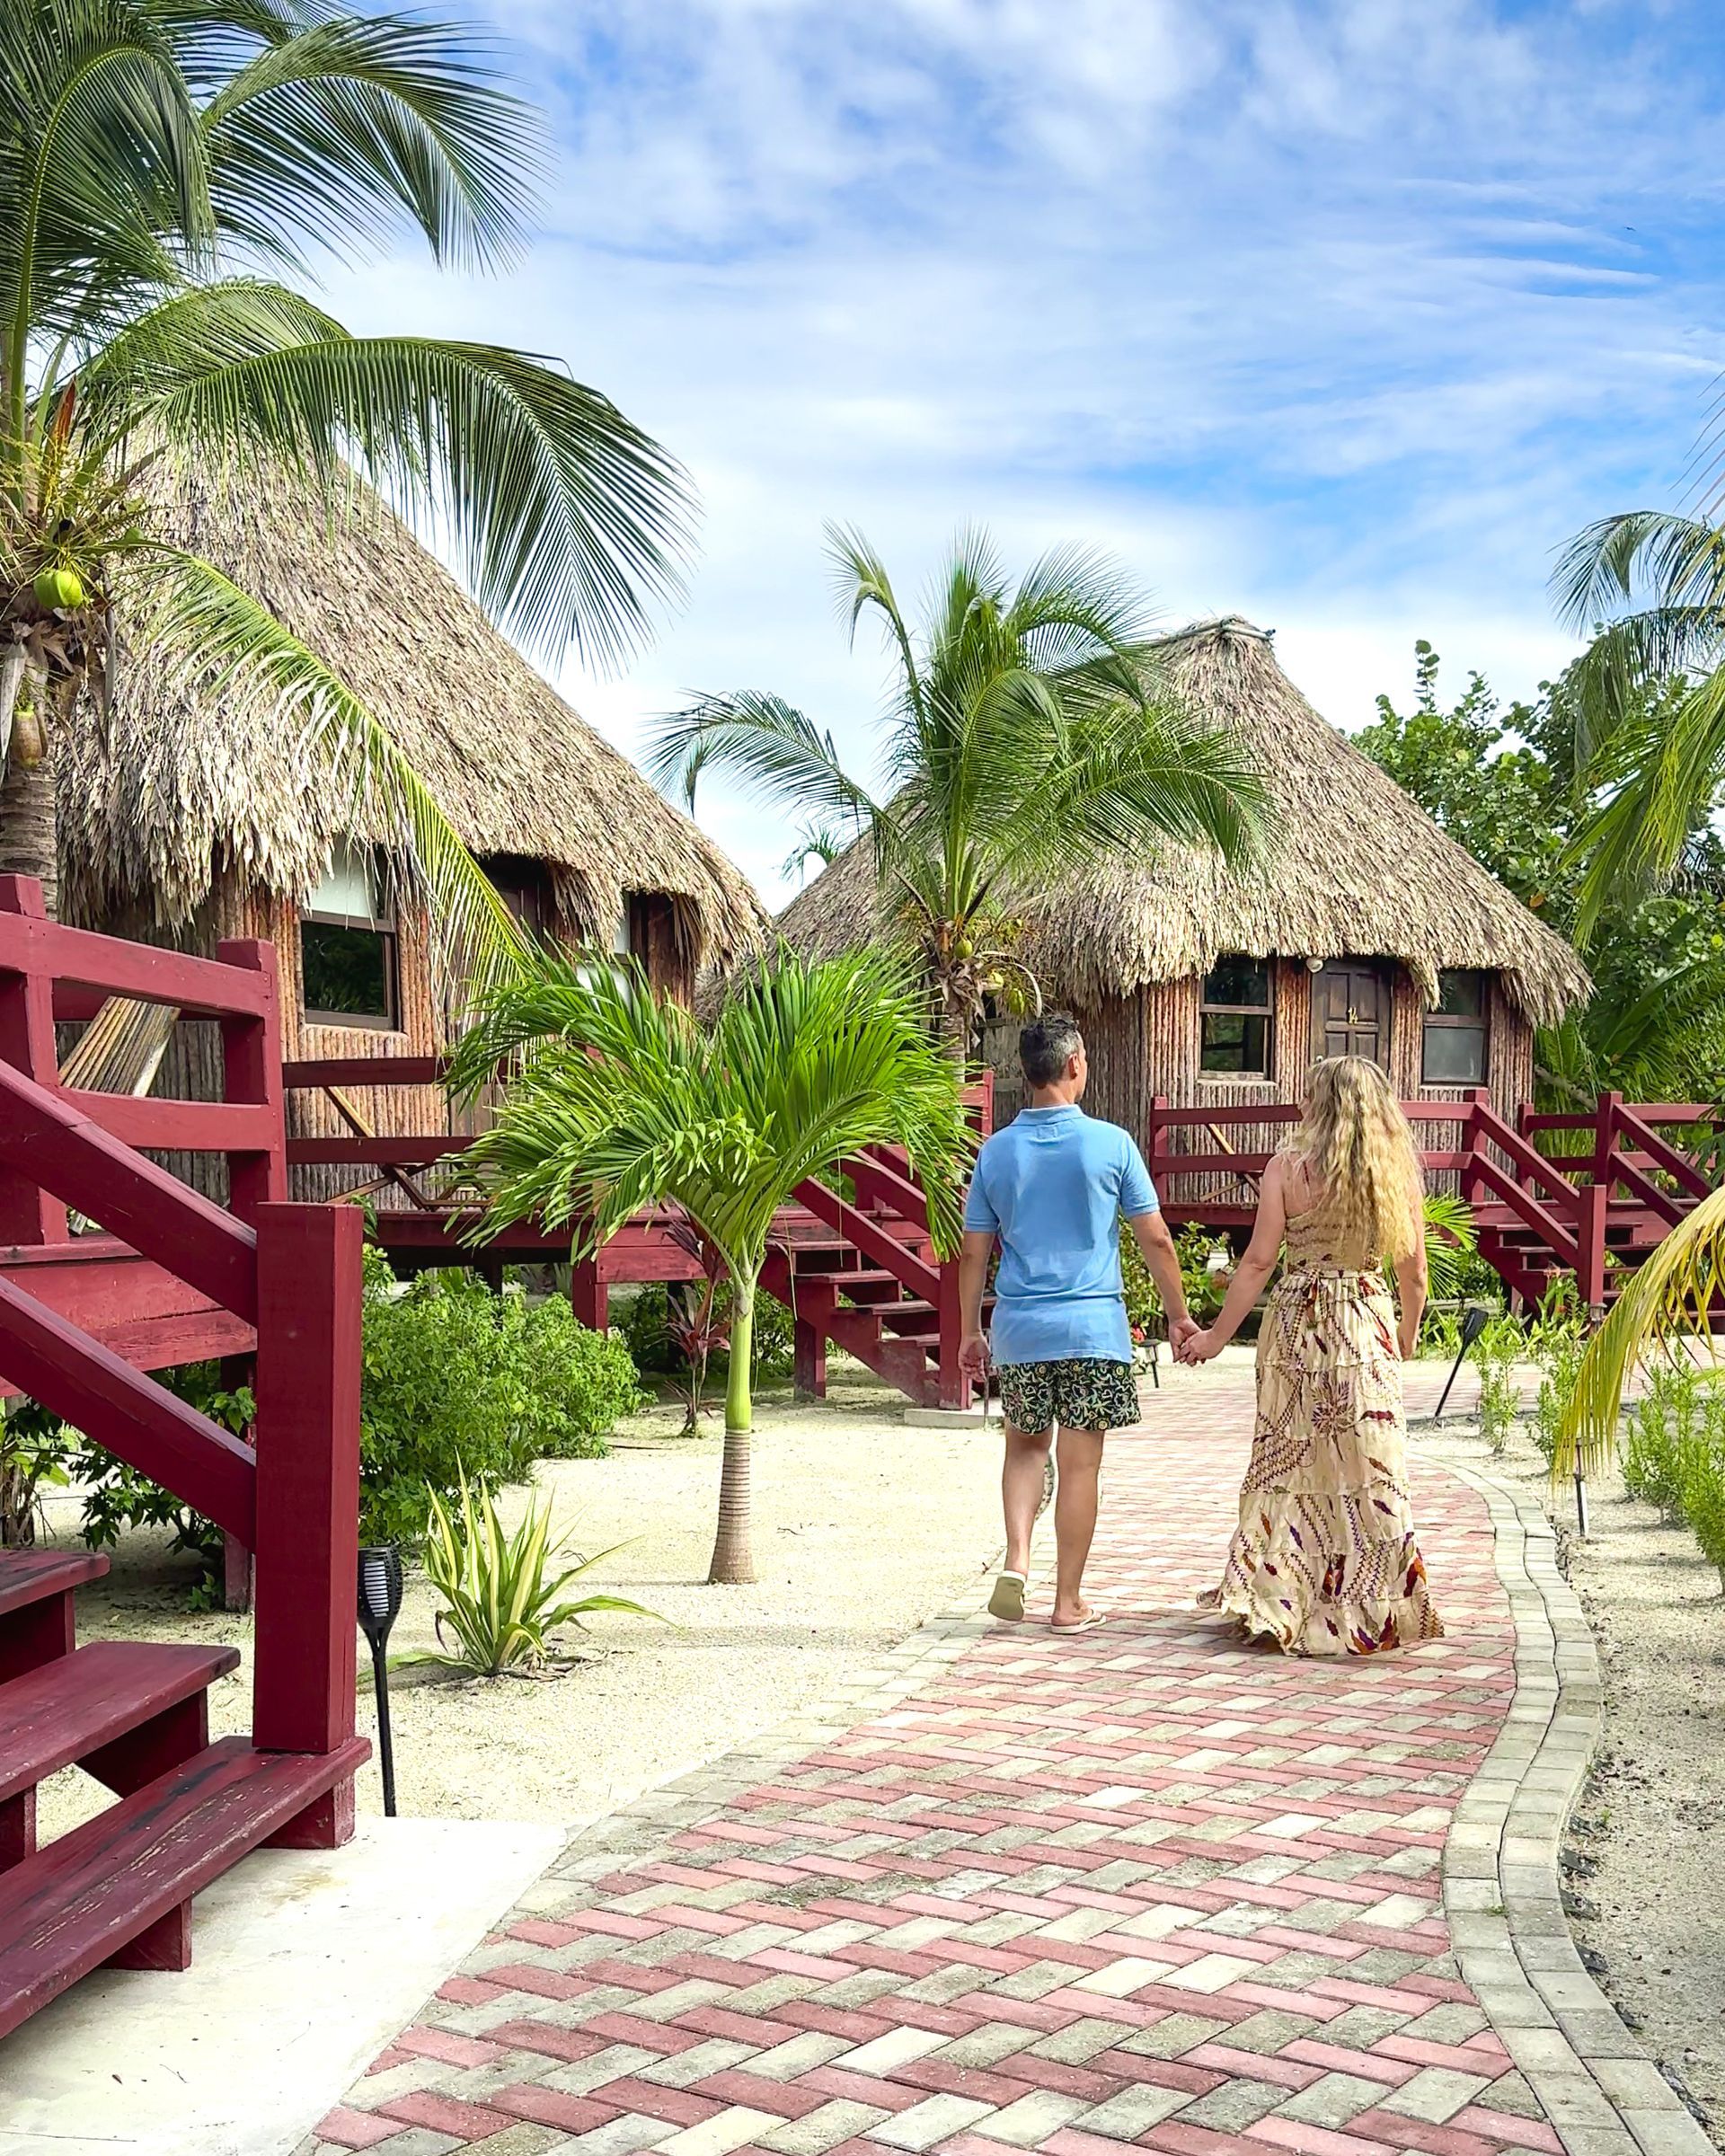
[777, 753]
[230, 644]
[342, 125]
[566, 518]
[1666, 1309]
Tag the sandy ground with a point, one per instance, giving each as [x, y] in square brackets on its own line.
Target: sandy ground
[862, 1529]
[1650, 1834]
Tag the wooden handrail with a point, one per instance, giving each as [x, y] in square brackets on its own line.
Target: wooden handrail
[176, 1126]
[88, 1385]
[1676, 1165]
[922, 1279]
[60, 1149]
[1545, 1223]
[81, 959]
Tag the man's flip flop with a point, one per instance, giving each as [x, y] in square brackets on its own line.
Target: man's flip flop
[1007, 1600]
[1084, 1624]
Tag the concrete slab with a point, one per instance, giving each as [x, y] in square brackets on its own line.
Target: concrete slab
[304, 1965]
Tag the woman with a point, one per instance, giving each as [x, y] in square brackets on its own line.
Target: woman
[1324, 1560]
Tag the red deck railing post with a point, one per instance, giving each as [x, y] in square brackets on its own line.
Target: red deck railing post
[308, 1478]
[28, 1215]
[1605, 1140]
[1593, 1199]
[251, 1070]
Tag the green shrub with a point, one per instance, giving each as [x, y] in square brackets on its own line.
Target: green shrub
[1702, 1472]
[458, 1381]
[1501, 1346]
[1658, 1430]
[1558, 1346]
[645, 1330]
[1204, 1291]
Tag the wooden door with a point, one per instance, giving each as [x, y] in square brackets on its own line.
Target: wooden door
[1350, 1010]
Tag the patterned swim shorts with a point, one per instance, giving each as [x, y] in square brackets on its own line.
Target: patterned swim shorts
[1088, 1392]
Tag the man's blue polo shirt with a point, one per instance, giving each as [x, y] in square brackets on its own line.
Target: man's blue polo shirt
[1054, 1187]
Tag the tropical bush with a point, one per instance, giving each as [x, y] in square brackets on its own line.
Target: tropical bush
[1204, 1291]
[1654, 1433]
[1558, 1347]
[647, 1331]
[1499, 1348]
[500, 1608]
[460, 1382]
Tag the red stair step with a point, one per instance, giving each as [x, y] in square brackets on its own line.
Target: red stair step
[67, 1709]
[98, 1891]
[36, 1591]
[27, 1575]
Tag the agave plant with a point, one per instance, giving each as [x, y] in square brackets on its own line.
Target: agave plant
[499, 1607]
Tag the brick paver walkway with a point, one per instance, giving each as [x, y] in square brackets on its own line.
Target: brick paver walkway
[1143, 1886]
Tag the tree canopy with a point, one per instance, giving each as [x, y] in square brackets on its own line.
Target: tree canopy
[1505, 784]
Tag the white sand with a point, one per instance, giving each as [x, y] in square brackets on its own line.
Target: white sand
[862, 1529]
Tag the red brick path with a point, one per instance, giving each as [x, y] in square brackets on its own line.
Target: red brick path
[1143, 1886]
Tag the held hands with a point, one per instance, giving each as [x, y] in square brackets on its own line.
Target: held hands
[1197, 1346]
[1181, 1332]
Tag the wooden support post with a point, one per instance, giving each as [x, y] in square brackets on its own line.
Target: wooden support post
[308, 1478]
[252, 1072]
[954, 1385]
[589, 1296]
[1605, 1141]
[1590, 1271]
[28, 1215]
[808, 1360]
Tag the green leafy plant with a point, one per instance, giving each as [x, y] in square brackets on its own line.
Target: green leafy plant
[1029, 724]
[457, 1382]
[500, 1602]
[1701, 1469]
[36, 1451]
[1557, 1348]
[1205, 1291]
[1451, 1243]
[1654, 1435]
[619, 1101]
[1499, 1350]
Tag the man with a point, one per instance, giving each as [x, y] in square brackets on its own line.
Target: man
[1052, 1189]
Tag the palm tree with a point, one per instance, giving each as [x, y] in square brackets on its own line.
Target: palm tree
[1667, 1307]
[618, 1101]
[1650, 690]
[1025, 726]
[165, 165]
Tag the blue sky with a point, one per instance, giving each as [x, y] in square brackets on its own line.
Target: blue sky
[1341, 314]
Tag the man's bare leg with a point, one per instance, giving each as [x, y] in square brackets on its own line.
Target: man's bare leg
[1074, 1520]
[1021, 1491]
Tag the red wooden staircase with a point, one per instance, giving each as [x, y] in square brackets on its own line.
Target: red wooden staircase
[163, 1276]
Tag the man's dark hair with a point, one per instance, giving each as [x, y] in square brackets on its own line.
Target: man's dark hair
[1046, 1045]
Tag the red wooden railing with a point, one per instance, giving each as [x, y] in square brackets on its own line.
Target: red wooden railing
[1537, 1207]
[279, 1279]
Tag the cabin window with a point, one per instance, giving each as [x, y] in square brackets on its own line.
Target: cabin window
[349, 973]
[1455, 1049]
[1236, 1020]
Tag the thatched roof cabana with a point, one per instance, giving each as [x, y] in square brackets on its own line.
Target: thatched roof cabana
[1358, 869]
[178, 784]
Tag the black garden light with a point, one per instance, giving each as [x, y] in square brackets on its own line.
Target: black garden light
[1474, 1321]
[380, 1605]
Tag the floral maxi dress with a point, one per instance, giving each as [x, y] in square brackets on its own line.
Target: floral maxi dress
[1325, 1560]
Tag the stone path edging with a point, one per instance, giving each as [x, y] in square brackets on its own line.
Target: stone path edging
[1501, 1885]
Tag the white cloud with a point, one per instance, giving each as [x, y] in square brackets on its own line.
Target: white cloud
[1341, 313]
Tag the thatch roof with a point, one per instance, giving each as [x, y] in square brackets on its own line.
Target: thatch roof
[1358, 870]
[175, 784]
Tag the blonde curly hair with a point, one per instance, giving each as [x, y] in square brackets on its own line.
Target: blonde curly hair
[1354, 1141]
